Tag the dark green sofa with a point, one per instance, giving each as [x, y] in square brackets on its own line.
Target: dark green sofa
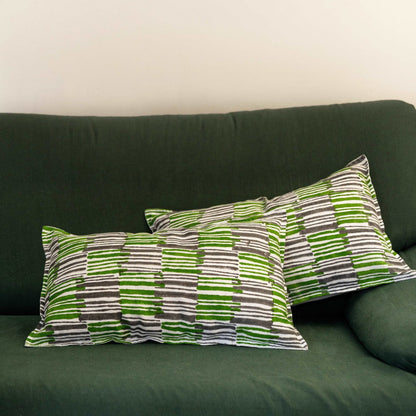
[97, 174]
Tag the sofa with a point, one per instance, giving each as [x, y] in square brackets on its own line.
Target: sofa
[88, 174]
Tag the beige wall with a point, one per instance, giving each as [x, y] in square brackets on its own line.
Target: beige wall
[108, 57]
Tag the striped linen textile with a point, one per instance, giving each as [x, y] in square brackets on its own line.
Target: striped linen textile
[335, 237]
[217, 285]
[244, 211]
[335, 240]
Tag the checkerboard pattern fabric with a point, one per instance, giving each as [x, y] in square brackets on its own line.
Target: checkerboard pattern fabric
[221, 284]
[335, 238]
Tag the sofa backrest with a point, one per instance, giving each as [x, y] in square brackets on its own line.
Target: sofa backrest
[97, 174]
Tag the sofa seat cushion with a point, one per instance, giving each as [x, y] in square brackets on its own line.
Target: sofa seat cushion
[337, 376]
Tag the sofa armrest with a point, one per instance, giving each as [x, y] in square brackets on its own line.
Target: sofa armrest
[384, 320]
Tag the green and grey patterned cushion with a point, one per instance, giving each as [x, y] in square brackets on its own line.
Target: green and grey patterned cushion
[217, 285]
[244, 211]
[335, 237]
[335, 240]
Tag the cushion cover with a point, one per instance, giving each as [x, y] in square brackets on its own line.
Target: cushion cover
[335, 241]
[218, 285]
[159, 219]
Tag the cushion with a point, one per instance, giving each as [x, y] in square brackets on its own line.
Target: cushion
[159, 218]
[216, 285]
[384, 320]
[335, 241]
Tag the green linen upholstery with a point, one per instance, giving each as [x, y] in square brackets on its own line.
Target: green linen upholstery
[216, 285]
[336, 376]
[99, 174]
[384, 320]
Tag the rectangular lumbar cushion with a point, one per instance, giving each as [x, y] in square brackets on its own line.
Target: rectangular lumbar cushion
[243, 211]
[222, 284]
[335, 241]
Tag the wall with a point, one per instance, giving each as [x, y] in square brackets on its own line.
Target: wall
[121, 57]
